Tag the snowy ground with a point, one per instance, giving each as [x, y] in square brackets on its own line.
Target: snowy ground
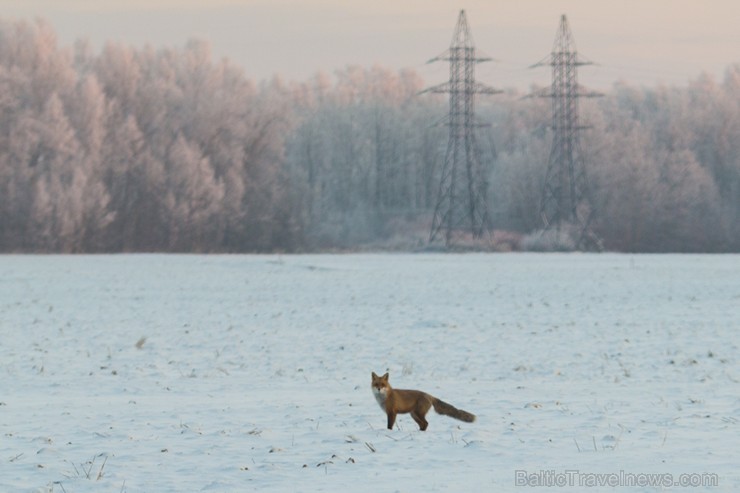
[254, 373]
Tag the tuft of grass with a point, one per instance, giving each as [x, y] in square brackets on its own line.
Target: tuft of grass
[87, 468]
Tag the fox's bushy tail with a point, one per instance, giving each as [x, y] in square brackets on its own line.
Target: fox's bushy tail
[449, 410]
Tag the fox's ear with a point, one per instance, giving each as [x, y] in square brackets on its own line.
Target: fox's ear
[375, 377]
[385, 377]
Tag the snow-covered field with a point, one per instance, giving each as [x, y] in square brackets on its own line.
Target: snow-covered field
[156, 373]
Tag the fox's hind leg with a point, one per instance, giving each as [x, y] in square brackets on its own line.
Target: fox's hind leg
[420, 420]
[420, 412]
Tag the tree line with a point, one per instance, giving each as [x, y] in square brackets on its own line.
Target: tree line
[142, 149]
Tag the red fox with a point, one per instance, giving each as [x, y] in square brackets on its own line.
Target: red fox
[397, 401]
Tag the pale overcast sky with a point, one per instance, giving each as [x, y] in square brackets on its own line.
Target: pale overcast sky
[638, 41]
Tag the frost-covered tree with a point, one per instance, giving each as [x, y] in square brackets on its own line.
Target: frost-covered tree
[145, 149]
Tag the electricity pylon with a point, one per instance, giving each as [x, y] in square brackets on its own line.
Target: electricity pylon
[463, 188]
[565, 195]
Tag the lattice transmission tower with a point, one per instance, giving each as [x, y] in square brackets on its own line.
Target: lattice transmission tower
[461, 206]
[565, 195]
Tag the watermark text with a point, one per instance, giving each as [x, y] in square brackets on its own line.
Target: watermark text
[550, 478]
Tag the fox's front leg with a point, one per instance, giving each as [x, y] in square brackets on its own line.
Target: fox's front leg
[391, 419]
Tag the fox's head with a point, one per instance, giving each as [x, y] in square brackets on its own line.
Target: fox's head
[380, 388]
[380, 385]
[380, 382]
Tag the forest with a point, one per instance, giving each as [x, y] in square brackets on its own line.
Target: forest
[126, 149]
